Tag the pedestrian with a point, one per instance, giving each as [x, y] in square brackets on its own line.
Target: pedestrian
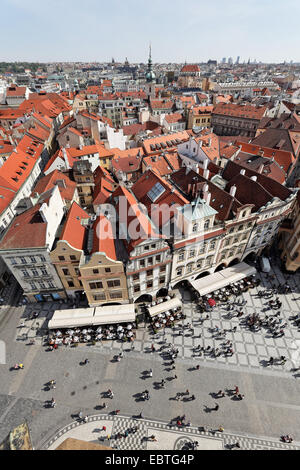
[216, 407]
[197, 367]
[117, 411]
[103, 428]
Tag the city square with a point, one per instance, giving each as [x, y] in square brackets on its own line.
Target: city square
[270, 408]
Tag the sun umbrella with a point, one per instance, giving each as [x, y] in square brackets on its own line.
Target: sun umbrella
[99, 329]
[211, 302]
[130, 333]
[164, 320]
[171, 318]
[157, 325]
[129, 327]
[120, 328]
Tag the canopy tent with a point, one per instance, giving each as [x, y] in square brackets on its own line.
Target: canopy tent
[114, 314]
[222, 278]
[71, 318]
[164, 306]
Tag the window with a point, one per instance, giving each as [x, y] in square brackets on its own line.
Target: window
[44, 272]
[192, 254]
[99, 297]
[96, 285]
[115, 295]
[153, 245]
[136, 289]
[107, 270]
[70, 283]
[42, 285]
[199, 263]
[189, 268]
[195, 228]
[32, 259]
[65, 271]
[72, 258]
[206, 224]
[179, 272]
[95, 271]
[149, 284]
[135, 277]
[32, 285]
[13, 261]
[61, 258]
[142, 263]
[202, 249]
[150, 260]
[34, 272]
[146, 247]
[212, 245]
[162, 280]
[181, 256]
[157, 258]
[42, 258]
[23, 260]
[149, 272]
[51, 285]
[113, 283]
[25, 273]
[155, 192]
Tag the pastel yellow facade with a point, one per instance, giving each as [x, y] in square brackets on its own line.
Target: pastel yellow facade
[104, 280]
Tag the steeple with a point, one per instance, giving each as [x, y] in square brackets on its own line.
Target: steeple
[150, 75]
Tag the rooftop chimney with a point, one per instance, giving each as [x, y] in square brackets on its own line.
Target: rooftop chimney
[253, 178]
[206, 174]
[261, 168]
[207, 197]
[233, 190]
[243, 172]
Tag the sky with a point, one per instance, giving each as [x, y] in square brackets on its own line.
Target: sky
[179, 30]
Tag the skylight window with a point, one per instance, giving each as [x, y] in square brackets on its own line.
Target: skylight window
[155, 192]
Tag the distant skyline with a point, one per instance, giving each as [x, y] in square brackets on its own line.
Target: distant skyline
[191, 31]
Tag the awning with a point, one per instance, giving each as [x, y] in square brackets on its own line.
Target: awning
[114, 314]
[164, 306]
[223, 278]
[71, 318]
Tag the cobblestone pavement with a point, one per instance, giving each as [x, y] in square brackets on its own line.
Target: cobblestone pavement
[168, 437]
[251, 349]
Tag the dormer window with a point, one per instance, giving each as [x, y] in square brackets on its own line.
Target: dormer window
[206, 224]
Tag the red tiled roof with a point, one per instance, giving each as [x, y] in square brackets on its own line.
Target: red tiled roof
[284, 158]
[104, 238]
[175, 117]
[15, 90]
[104, 185]
[183, 136]
[74, 232]
[235, 110]
[49, 181]
[27, 230]
[190, 68]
